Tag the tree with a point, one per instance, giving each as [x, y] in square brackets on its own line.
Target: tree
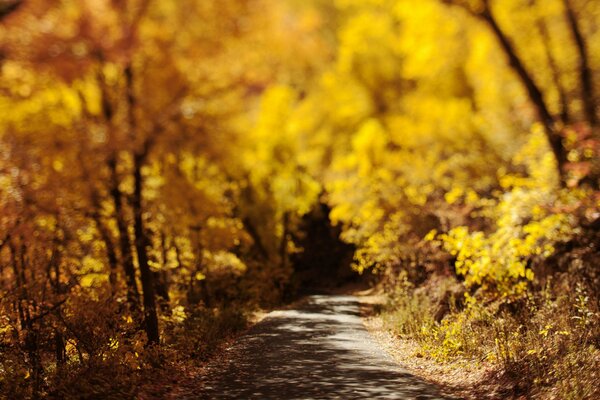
[484, 11]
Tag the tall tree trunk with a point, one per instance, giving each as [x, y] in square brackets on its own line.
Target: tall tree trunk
[141, 245]
[133, 295]
[111, 254]
[585, 72]
[141, 240]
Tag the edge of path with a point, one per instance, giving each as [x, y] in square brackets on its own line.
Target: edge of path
[461, 378]
[179, 381]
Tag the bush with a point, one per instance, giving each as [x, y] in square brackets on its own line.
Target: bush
[546, 344]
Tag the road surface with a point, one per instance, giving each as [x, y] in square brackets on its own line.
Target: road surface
[319, 349]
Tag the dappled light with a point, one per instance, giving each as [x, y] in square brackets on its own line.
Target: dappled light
[318, 350]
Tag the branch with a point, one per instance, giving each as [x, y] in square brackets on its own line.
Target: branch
[485, 14]
[7, 7]
[585, 72]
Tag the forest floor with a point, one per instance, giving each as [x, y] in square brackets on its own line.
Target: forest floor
[317, 349]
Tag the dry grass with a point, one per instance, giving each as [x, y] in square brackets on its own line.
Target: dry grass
[544, 346]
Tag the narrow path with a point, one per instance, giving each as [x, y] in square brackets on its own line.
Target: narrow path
[318, 350]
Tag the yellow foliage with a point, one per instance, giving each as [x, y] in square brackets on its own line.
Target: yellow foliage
[498, 260]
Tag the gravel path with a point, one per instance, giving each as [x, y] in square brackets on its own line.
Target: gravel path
[317, 350]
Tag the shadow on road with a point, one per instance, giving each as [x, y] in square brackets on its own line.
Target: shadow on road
[319, 350]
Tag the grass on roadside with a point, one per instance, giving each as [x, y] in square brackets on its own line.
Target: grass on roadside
[546, 344]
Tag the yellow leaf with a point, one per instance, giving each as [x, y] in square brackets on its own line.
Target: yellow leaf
[200, 276]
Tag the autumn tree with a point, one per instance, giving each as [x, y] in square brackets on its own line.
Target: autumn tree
[553, 124]
[114, 178]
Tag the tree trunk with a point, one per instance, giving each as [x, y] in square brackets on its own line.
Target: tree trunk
[141, 240]
[60, 349]
[141, 243]
[534, 93]
[585, 72]
[133, 295]
[111, 253]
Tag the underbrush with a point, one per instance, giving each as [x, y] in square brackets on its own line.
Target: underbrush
[121, 368]
[201, 332]
[546, 343]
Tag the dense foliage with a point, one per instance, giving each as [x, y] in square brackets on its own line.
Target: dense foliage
[158, 160]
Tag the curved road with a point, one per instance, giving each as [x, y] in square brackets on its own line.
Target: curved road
[317, 350]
